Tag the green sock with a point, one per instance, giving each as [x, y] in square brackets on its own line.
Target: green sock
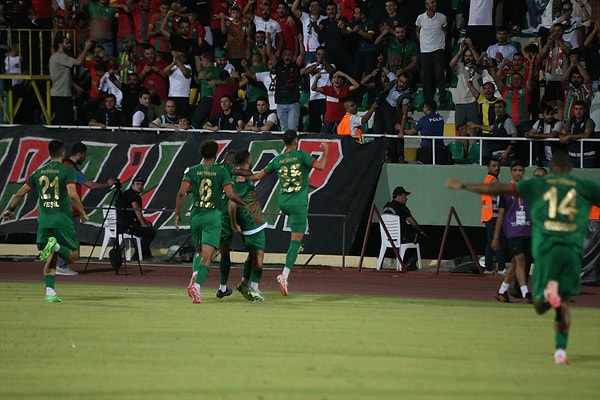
[246, 270]
[196, 262]
[202, 274]
[561, 340]
[224, 267]
[64, 253]
[292, 253]
[256, 275]
[49, 281]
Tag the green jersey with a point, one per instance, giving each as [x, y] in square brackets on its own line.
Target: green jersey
[292, 169]
[223, 204]
[212, 73]
[207, 183]
[54, 203]
[252, 220]
[559, 206]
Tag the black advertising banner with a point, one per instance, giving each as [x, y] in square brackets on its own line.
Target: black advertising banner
[339, 194]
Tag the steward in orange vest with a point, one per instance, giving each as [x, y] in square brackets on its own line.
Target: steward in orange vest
[350, 124]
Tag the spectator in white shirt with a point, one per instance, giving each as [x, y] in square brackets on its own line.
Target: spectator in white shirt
[431, 33]
[180, 81]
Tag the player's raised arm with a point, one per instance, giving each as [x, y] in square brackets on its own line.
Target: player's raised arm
[497, 188]
[322, 161]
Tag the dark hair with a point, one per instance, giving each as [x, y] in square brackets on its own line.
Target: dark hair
[208, 55]
[560, 160]
[229, 157]
[289, 136]
[263, 98]
[580, 103]
[78, 148]
[548, 109]
[241, 156]
[58, 39]
[55, 148]
[144, 91]
[109, 95]
[518, 163]
[208, 149]
[430, 105]
[499, 101]
[496, 159]
[224, 75]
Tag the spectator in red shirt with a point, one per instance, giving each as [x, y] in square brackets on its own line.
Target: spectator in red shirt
[289, 29]
[335, 95]
[150, 71]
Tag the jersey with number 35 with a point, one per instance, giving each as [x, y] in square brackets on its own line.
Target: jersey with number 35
[292, 169]
[54, 204]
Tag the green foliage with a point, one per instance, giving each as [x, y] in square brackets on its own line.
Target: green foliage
[118, 342]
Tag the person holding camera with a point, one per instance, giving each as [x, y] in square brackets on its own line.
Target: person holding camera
[321, 71]
[130, 218]
[78, 156]
[556, 52]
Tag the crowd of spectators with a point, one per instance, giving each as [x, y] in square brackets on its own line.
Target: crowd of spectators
[271, 65]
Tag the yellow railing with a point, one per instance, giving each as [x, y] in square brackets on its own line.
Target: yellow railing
[34, 48]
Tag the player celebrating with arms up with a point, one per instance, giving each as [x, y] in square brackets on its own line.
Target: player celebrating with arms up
[293, 167]
[559, 206]
[55, 184]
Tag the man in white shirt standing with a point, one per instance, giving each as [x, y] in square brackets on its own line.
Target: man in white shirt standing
[180, 82]
[309, 21]
[431, 33]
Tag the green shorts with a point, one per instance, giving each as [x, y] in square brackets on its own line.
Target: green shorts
[256, 241]
[65, 236]
[226, 231]
[560, 263]
[297, 213]
[206, 227]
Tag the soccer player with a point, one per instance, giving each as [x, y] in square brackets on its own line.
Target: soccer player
[559, 206]
[226, 231]
[250, 223]
[55, 184]
[293, 167]
[78, 155]
[207, 182]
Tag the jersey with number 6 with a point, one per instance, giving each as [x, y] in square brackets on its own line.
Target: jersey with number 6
[207, 182]
[54, 203]
[292, 169]
[559, 206]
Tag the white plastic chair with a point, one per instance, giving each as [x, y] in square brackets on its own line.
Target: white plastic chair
[392, 223]
[110, 232]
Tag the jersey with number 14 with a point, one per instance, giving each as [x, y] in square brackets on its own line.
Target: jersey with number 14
[559, 206]
[54, 203]
[207, 182]
[292, 169]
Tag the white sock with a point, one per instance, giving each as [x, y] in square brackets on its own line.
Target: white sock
[198, 286]
[56, 248]
[222, 288]
[50, 292]
[503, 288]
[286, 272]
[254, 286]
[524, 291]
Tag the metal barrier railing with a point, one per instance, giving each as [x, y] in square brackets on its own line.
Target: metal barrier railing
[34, 46]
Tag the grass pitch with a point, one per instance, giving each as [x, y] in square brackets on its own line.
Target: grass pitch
[119, 342]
